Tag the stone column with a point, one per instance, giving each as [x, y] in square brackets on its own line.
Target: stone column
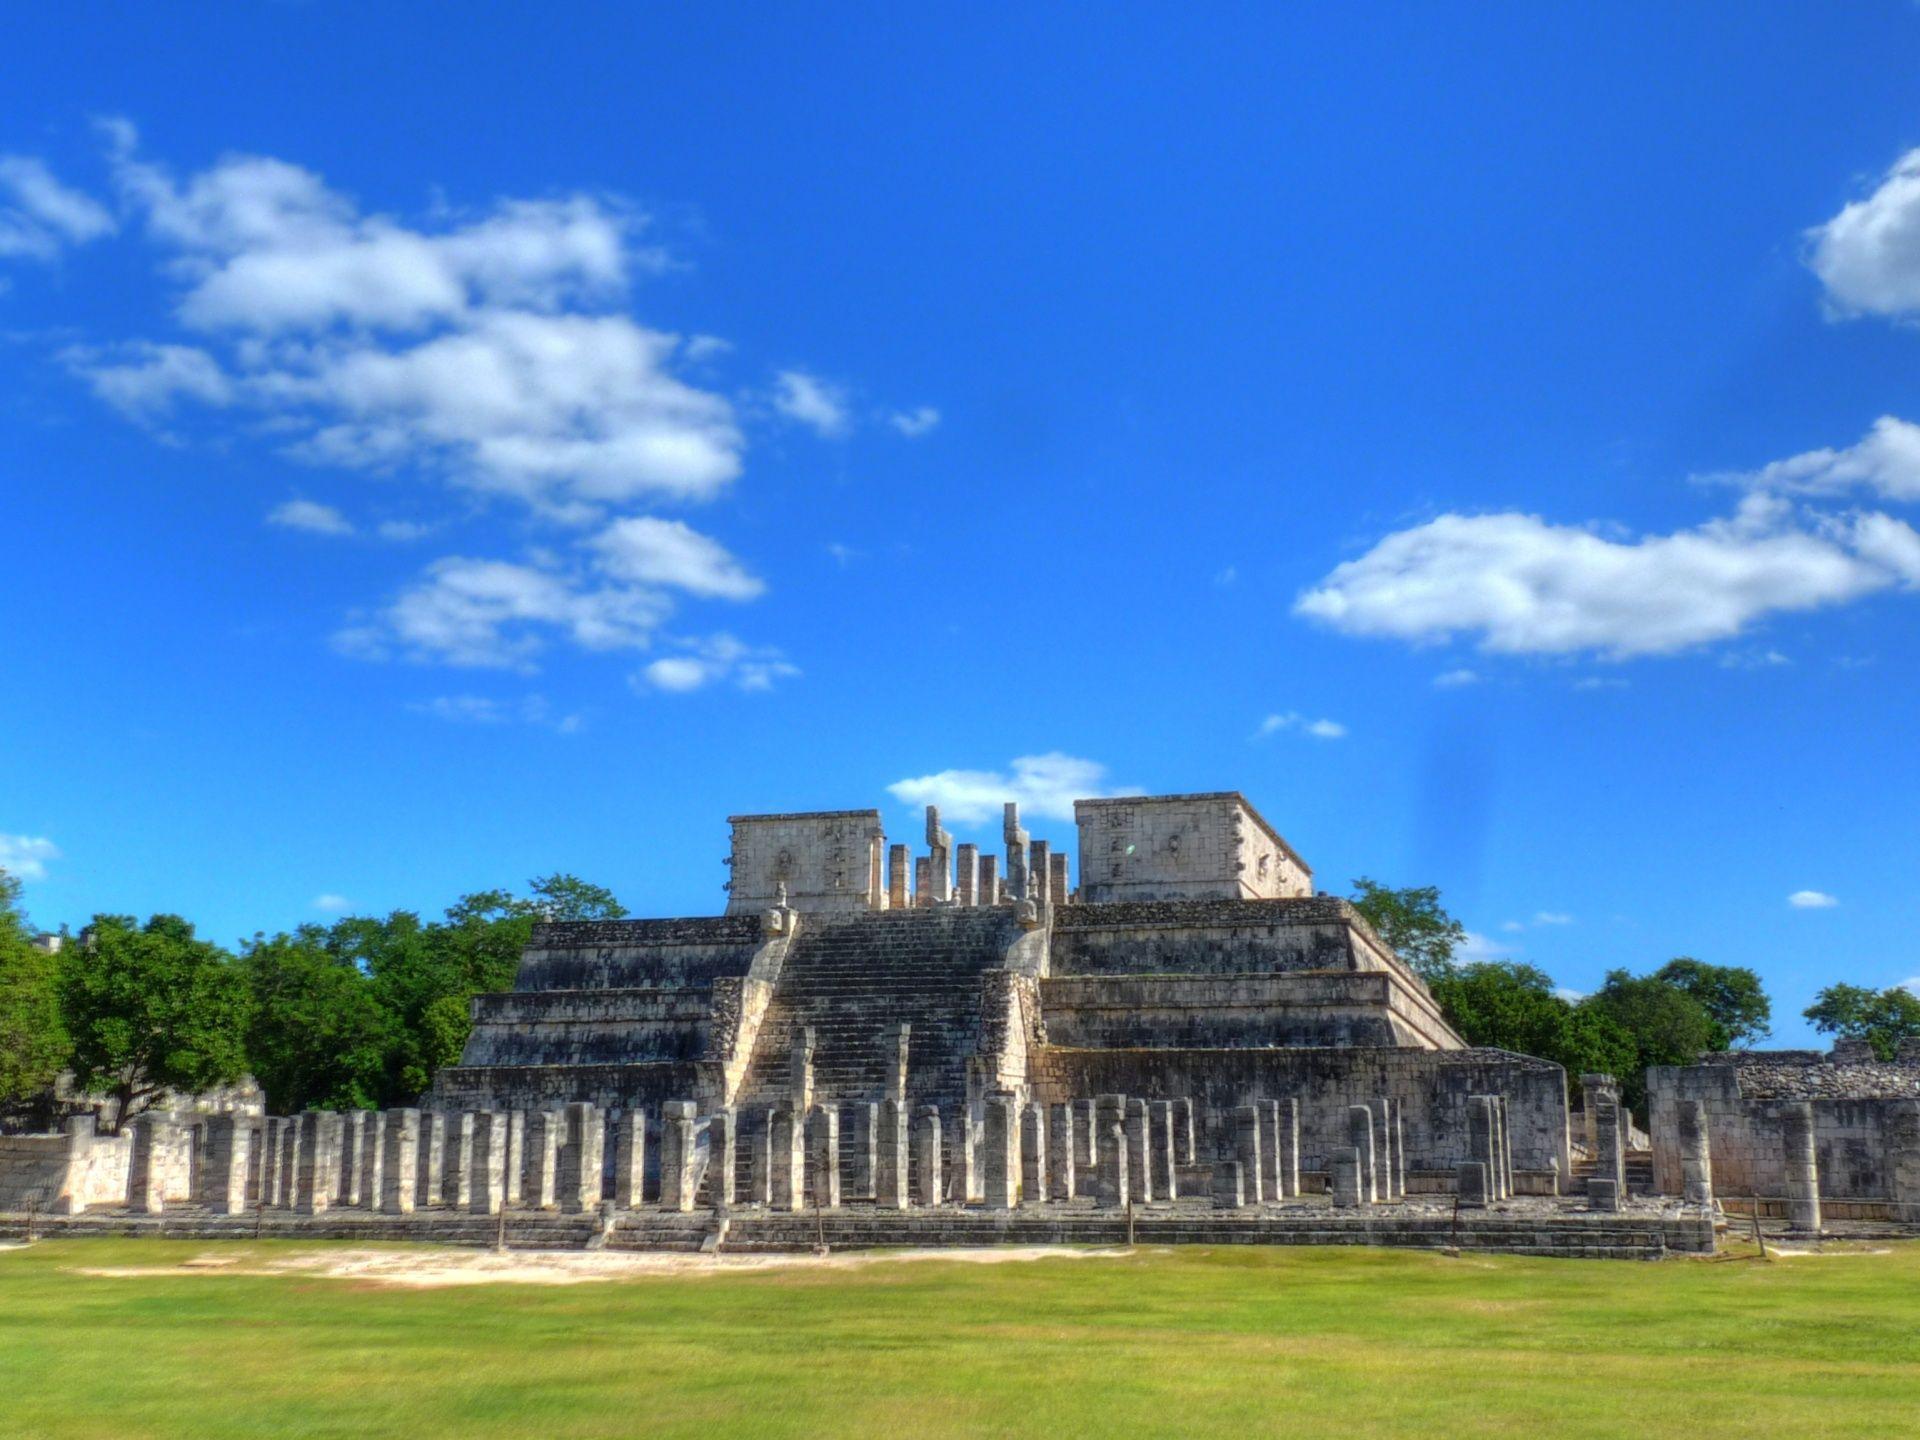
[1183, 1132]
[351, 1188]
[271, 1128]
[897, 1057]
[1062, 1151]
[968, 857]
[1033, 1154]
[1472, 1185]
[319, 1161]
[540, 1185]
[1166, 1170]
[582, 1159]
[1502, 1184]
[939, 859]
[1268, 1113]
[1603, 1195]
[859, 1142]
[516, 1157]
[1061, 895]
[1287, 1165]
[800, 1073]
[457, 1170]
[1246, 1151]
[1139, 1152]
[398, 1182]
[144, 1197]
[823, 1157]
[677, 1154]
[290, 1142]
[1002, 1154]
[1383, 1156]
[1480, 1142]
[1085, 1130]
[892, 1166]
[897, 859]
[922, 881]
[963, 1164]
[786, 1187]
[228, 1148]
[1111, 1141]
[1040, 873]
[1016, 842]
[487, 1190]
[1229, 1185]
[1349, 1177]
[1360, 1137]
[927, 1155]
[723, 1157]
[630, 1160]
[432, 1153]
[1801, 1158]
[760, 1166]
[373, 1160]
[1506, 1148]
[989, 880]
[1399, 1153]
[1696, 1158]
[1609, 1130]
[1903, 1141]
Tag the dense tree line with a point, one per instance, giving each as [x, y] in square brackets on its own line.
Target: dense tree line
[357, 1014]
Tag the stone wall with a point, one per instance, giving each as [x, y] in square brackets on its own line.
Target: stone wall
[1215, 1011]
[828, 861]
[1170, 847]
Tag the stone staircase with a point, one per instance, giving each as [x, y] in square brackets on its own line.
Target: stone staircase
[1639, 1173]
[854, 978]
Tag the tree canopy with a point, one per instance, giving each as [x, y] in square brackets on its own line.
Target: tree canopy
[1883, 1018]
[1413, 922]
[1732, 996]
[33, 1039]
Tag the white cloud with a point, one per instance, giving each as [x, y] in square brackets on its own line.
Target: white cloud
[501, 614]
[39, 215]
[1455, 679]
[1868, 256]
[25, 857]
[1754, 660]
[1228, 576]
[1522, 585]
[1911, 984]
[1044, 786]
[485, 710]
[808, 400]
[143, 380]
[1569, 994]
[915, 422]
[309, 515]
[332, 904]
[844, 555]
[1513, 927]
[1886, 461]
[400, 531]
[1811, 900]
[1601, 682]
[1552, 917]
[1293, 720]
[667, 552]
[1476, 949]
[715, 660]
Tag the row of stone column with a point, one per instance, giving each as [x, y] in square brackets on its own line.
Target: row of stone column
[1371, 1169]
[961, 875]
[1486, 1175]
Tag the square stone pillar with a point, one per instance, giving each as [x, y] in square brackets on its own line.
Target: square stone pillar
[677, 1154]
[1084, 1130]
[430, 1171]
[319, 1162]
[1360, 1137]
[963, 1163]
[1696, 1158]
[290, 1143]
[1288, 1164]
[1603, 1195]
[1383, 1158]
[1040, 873]
[922, 881]
[1229, 1185]
[352, 1186]
[786, 1185]
[457, 1173]
[1800, 1157]
[1349, 1177]
[1063, 1150]
[630, 1160]
[859, 1148]
[723, 1157]
[487, 1189]
[1113, 1189]
[939, 890]
[823, 1157]
[1482, 1148]
[1501, 1185]
[540, 1184]
[893, 1166]
[1139, 1152]
[1002, 1180]
[1033, 1154]
[760, 1161]
[1160, 1137]
[1471, 1185]
[800, 1073]
[398, 1182]
[897, 861]
[373, 1160]
[229, 1152]
[968, 887]
[1183, 1153]
[1016, 843]
[271, 1142]
[1399, 1152]
[1600, 1095]
[516, 1157]
[1506, 1147]
[1904, 1141]
[1246, 1151]
[927, 1156]
[898, 1054]
[150, 1134]
[582, 1159]
[989, 880]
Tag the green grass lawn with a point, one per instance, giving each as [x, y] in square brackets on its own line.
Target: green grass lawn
[1229, 1342]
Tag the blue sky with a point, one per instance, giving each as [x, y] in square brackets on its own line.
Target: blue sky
[438, 452]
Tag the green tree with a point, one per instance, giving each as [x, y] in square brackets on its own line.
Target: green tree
[1732, 995]
[1667, 1025]
[318, 1038]
[1512, 1006]
[152, 1009]
[33, 1041]
[1881, 1017]
[567, 897]
[1413, 922]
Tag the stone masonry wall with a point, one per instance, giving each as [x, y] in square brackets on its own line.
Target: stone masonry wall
[1169, 847]
[829, 861]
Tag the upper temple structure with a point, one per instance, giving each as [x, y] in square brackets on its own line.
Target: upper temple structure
[1181, 952]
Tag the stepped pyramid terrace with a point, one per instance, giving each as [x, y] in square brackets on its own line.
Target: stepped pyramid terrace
[1166, 1033]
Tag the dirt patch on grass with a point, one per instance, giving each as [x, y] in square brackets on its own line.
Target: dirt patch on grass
[434, 1269]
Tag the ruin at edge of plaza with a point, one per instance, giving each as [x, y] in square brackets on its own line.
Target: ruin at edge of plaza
[1167, 1034]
